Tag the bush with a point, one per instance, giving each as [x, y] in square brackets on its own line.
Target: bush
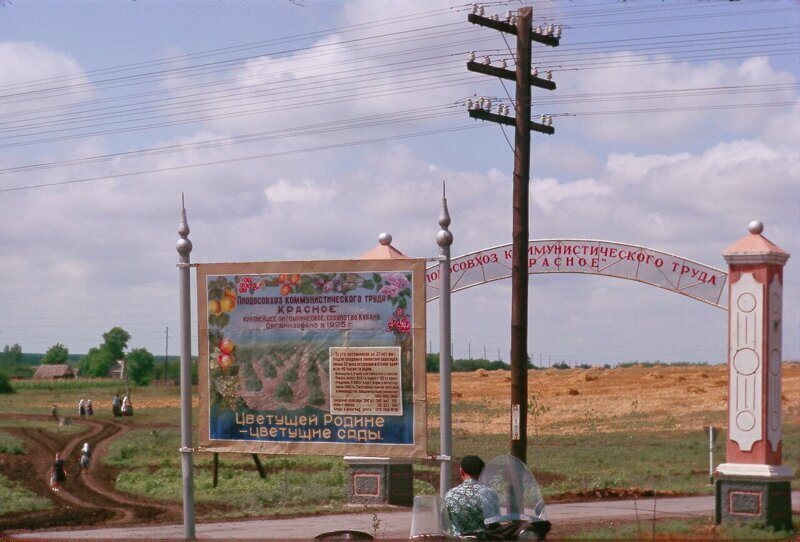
[5, 384]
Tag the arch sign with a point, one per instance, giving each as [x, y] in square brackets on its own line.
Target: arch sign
[590, 257]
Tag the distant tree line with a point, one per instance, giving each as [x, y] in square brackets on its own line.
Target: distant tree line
[467, 365]
[97, 362]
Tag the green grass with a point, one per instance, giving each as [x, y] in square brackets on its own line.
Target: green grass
[688, 529]
[50, 426]
[82, 384]
[241, 486]
[9, 444]
[674, 461]
[15, 499]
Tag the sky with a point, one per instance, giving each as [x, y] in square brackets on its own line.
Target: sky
[301, 130]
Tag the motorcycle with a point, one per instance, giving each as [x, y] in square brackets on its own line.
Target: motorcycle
[521, 514]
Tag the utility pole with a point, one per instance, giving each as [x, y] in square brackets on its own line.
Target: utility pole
[166, 354]
[524, 78]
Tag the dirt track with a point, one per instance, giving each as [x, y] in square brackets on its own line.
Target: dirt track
[86, 498]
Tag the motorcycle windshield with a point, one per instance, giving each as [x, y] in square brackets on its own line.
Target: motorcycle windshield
[429, 518]
[519, 496]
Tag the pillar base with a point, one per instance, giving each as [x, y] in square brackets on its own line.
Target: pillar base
[754, 493]
[380, 480]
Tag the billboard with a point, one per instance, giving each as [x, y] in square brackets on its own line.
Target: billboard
[313, 357]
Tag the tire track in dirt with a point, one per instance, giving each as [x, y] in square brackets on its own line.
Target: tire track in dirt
[86, 490]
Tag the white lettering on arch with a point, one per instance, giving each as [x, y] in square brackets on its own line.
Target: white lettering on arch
[591, 257]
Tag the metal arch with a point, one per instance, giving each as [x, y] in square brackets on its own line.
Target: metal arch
[675, 273]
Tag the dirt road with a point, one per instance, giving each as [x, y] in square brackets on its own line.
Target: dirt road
[87, 498]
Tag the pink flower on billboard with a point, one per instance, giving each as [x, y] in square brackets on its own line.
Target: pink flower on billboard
[390, 290]
[401, 325]
[398, 280]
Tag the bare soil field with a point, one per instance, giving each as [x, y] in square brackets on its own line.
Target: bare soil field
[668, 397]
[564, 401]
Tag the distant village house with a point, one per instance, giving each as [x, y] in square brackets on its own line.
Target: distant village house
[52, 372]
[117, 370]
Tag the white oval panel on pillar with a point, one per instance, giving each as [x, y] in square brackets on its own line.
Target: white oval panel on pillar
[745, 386]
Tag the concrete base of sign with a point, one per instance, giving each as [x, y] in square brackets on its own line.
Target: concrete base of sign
[380, 480]
[749, 497]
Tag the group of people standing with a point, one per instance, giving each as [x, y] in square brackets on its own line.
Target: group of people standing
[85, 408]
[58, 474]
[121, 407]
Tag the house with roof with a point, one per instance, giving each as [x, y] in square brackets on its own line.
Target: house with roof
[118, 370]
[53, 372]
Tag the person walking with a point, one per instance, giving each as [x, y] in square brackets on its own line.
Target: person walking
[81, 409]
[89, 407]
[116, 404]
[54, 412]
[86, 457]
[58, 474]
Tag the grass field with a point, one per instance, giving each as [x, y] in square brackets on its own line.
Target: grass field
[618, 431]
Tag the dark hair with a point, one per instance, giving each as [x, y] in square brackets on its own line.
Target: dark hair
[472, 465]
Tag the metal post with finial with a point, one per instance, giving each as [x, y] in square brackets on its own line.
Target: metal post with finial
[444, 239]
[184, 248]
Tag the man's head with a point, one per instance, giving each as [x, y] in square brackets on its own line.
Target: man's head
[472, 465]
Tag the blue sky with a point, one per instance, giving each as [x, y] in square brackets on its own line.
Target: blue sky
[330, 122]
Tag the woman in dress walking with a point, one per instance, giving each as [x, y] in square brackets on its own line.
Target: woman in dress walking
[59, 473]
[86, 457]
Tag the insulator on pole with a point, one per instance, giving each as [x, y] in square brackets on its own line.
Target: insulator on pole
[471, 56]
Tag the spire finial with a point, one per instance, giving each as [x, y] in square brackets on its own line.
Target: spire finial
[444, 238]
[756, 227]
[184, 246]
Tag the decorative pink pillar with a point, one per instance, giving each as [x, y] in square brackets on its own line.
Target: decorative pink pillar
[752, 484]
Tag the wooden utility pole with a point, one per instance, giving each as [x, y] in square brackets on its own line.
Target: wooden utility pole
[521, 220]
[166, 353]
[519, 242]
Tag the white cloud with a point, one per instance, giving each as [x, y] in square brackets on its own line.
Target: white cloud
[689, 115]
[629, 168]
[550, 193]
[305, 191]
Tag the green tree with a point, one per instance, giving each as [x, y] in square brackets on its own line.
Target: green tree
[97, 362]
[140, 366]
[5, 384]
[431, 363]
[56, 355]
[12, 354]
[116, 340]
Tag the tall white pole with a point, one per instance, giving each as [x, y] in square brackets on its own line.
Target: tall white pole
[444, 239]
[184, 247]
